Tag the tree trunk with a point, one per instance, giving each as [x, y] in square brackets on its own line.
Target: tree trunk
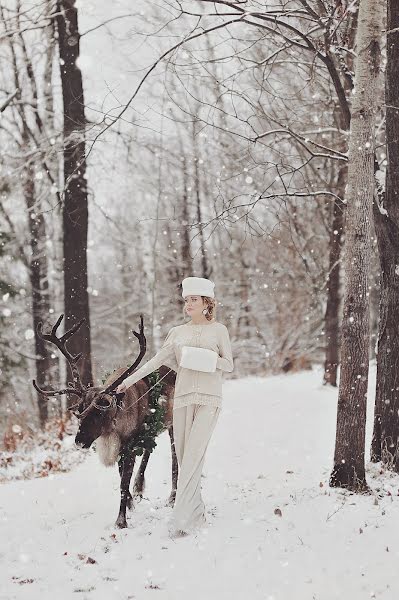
[386, 415]
[333, 296]
[331, 318]
[75, 207]
[206, 272]
[186, 258]
[38, 272]
[337, 230]
[349, 468]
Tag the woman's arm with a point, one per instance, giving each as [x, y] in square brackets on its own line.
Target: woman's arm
[154, 363]
[225, 359]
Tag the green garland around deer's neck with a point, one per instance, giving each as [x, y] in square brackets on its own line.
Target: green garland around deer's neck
[153, 423]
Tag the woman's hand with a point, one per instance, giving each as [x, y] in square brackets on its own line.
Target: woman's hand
[121, 388]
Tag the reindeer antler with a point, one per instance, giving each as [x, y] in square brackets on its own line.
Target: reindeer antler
[143, 345]
[78, 389]
[69, 390]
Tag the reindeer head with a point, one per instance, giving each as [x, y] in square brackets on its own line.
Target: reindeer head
[97, 406]
[96, 412]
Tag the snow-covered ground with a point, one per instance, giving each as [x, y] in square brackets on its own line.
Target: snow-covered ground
[272, 449]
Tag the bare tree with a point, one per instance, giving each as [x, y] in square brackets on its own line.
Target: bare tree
[75, 200]
[286, 35]
[385, 445]
[26, 129]
[349, 468]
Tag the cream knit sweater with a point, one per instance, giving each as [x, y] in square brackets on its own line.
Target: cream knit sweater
[192, 387]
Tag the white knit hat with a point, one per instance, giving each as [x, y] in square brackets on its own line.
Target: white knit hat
[198, 286]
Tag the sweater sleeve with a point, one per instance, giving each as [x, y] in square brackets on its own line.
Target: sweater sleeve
[225, 359]
[165, 353]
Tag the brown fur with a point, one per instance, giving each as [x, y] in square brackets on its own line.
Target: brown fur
[113, 428]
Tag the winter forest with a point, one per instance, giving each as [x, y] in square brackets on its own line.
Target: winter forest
[254, 143]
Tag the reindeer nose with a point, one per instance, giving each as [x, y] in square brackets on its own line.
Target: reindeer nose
[80, 442]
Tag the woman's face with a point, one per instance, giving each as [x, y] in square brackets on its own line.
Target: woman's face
[194, 306]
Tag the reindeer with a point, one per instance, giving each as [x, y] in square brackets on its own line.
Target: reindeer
[115, 421]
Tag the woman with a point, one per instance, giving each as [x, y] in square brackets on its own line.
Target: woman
[198, 351]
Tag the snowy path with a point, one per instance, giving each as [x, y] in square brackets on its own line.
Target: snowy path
[272, 448]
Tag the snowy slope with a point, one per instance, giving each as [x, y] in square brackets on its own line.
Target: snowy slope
[272, 449]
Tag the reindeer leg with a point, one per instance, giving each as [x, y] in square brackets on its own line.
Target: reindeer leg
[175, 468]
[138, 486]
[127, 470]
[129, 495]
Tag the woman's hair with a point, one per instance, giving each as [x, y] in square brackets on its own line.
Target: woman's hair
[210, 305]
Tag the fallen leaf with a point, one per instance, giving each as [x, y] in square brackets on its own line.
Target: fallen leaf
[152, 586]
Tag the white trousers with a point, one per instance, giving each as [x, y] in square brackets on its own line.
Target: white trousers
[192, 429]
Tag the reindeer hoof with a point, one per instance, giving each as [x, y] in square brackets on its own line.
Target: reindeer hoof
[171, 499]
[121, 523]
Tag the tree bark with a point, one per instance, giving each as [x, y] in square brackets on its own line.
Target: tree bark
[206, 271]
[186, 258]
[38, 271]
[331, 318]
[386, 415]
[332, 326]
[349, 468]
[75, 206]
